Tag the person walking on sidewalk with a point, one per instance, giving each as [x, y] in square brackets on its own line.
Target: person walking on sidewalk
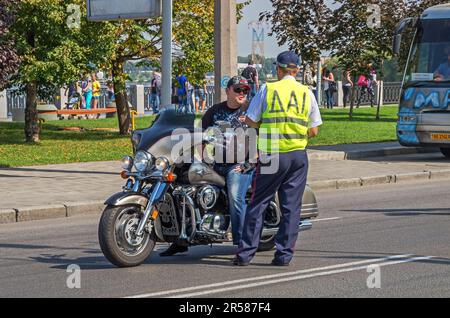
[286, 114]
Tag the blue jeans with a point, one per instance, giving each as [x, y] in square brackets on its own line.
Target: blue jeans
[190, 101]
[155, 102]
[329, 95]
[182, 103]
[238, 185]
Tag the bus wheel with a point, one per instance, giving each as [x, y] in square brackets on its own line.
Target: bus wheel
[446, 152]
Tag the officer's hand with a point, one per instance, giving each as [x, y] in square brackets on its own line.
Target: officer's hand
[239, 169]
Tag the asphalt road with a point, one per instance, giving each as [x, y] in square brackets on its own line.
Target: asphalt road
[403, 230]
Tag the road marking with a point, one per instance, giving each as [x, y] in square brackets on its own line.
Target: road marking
[295, 278]
[268, 277]
[328, 219]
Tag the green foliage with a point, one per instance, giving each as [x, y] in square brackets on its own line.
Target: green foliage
[9, 60]
[52, 53]
[302, 24]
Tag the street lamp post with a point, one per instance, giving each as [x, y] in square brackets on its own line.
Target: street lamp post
[166, 63]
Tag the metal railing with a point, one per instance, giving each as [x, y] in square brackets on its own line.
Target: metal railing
[16, 100]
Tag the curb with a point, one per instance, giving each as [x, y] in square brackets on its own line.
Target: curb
[315, 154]
[57, 211]
[377, 180]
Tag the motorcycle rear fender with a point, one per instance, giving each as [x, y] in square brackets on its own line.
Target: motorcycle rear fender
[127, 198]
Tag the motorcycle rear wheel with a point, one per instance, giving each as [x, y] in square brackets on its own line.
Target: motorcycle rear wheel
[117, 240]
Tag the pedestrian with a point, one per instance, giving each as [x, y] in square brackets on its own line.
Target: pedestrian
[154, 96]
[347, 85]
[310, 79]
[250, 73]
[96, 91]
[87, 91]
[111, 95]
[190, 98]
[286, 114]
[182, 93]
[200, 97]
[328, 82]
[366, 85]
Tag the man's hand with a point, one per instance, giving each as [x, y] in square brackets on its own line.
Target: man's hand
[249, 122]
[313, 132]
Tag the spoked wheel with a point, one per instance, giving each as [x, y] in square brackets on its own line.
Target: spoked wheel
[118, 239]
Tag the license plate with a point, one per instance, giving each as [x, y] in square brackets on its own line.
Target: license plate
[445, 137]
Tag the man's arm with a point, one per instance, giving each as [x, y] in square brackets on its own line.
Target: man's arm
[315, 119]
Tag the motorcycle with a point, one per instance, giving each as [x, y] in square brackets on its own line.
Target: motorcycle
[168, 200]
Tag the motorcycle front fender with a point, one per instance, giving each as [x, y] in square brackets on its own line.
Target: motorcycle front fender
[127, 198]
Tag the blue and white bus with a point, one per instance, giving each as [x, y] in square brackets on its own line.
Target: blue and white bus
[424, 115]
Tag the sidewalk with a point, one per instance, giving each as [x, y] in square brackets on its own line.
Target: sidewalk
[41, 192]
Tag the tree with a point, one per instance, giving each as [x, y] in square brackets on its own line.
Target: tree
[302, 24]
[193, 40]
[363, 33]
[9, 59]
[52, 52]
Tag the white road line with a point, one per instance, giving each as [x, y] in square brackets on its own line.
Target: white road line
[328, 219]
[295, 278]
[266, 277]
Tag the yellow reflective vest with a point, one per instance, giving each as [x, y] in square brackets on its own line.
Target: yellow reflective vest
[284, 126]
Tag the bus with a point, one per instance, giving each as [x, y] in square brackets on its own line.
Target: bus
[424, 114]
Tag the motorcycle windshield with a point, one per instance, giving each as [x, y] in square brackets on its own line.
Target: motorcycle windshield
[163, 126]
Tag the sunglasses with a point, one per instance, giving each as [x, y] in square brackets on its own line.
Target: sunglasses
[240, 90]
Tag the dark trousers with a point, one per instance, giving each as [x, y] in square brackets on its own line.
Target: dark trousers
[290, 182]
[347, 94]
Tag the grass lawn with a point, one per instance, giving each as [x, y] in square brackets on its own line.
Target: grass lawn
[68, 146]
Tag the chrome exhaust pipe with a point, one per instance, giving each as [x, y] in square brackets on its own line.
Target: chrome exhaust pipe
[304, 225]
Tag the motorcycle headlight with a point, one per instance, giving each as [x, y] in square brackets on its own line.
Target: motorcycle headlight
[162, 164]
[127, 163]
[143, 161]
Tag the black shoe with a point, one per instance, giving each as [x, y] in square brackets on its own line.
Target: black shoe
[237, 262]
[173, 249]
[278, 263]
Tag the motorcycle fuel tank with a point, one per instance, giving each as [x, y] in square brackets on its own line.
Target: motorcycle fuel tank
[201, 174]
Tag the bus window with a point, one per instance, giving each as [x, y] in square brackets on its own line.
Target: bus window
[430, 54]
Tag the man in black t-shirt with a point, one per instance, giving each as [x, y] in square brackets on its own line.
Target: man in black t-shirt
[238, 173]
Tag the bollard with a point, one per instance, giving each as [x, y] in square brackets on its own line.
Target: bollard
[133, 113]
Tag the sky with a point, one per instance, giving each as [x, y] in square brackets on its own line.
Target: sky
[251, 13]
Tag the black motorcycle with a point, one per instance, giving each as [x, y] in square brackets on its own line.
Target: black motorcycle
[169, 200]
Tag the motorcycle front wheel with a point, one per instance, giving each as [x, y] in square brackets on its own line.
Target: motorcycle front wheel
[117, 237]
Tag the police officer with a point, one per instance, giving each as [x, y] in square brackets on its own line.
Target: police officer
[286, 114]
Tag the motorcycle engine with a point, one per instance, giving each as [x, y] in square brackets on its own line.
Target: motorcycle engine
[207, 197]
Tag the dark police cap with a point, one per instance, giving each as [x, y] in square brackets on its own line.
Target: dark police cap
[288, 59]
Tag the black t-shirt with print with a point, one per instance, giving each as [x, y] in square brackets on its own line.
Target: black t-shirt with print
[221, 112]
